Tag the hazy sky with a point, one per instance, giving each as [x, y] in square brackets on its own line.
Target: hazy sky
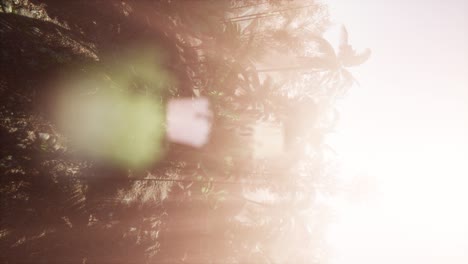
[407, 125]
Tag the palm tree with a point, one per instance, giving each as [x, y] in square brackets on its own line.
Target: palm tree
[60, 206]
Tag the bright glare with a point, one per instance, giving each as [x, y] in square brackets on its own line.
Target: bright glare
[268, 138]
[406, 127]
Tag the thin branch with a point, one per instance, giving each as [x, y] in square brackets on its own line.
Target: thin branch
[269, 12]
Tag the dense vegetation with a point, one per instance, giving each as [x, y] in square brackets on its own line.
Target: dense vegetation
[256, 60]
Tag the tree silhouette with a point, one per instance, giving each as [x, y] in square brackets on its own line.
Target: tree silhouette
[216, 204]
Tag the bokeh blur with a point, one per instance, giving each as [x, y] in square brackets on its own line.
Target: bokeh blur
[170, 131]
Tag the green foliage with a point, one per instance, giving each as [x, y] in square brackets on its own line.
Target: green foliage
[63, 207]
